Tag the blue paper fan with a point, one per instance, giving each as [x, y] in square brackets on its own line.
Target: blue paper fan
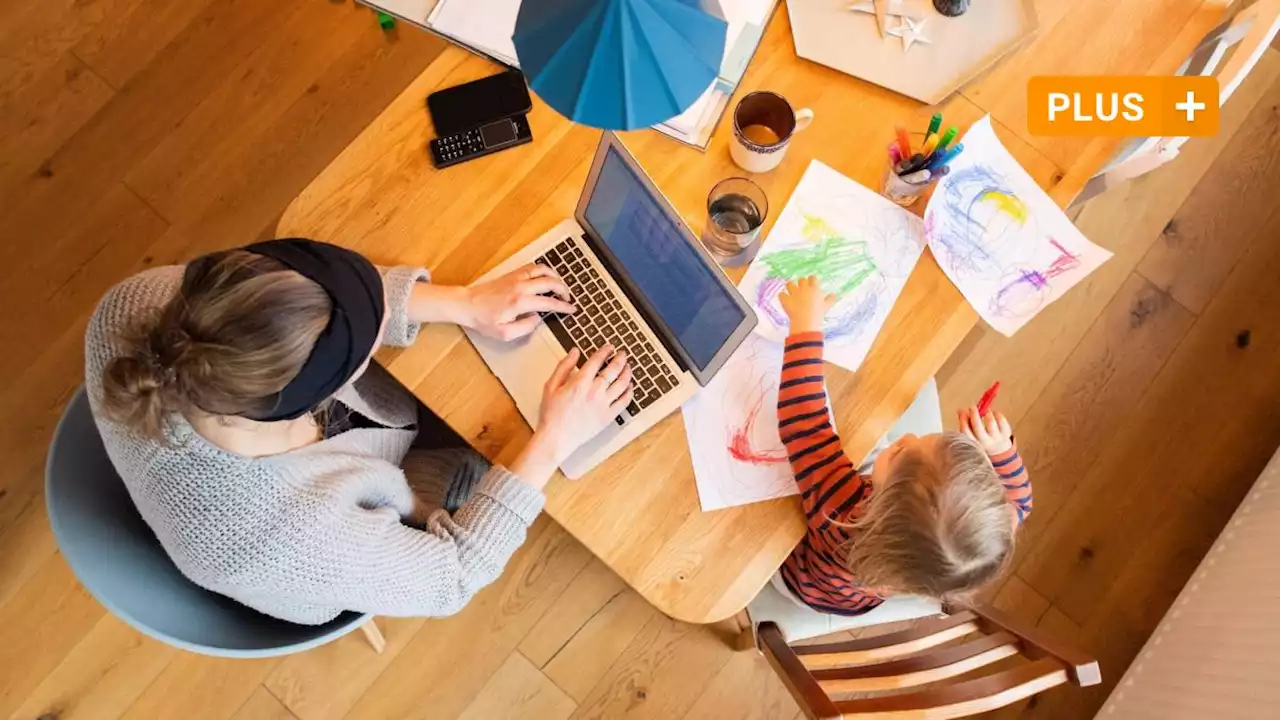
[620, 64]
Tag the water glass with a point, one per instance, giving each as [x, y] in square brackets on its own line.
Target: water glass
[736, 209]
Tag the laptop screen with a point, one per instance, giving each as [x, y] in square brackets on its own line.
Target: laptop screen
[657, 258]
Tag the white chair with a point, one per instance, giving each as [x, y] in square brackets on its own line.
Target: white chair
[1229, 52]
[798, 622]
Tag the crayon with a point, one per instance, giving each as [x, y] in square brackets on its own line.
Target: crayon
[988, 398]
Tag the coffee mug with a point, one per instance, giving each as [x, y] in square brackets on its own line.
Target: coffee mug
[763, 125]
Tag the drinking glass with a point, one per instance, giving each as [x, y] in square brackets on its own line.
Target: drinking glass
[736, 209]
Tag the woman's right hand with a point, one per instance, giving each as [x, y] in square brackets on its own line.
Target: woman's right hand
[577, 403]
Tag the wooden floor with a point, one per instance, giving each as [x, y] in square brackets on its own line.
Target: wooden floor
[138, 132]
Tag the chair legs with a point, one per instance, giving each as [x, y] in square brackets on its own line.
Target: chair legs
[374, 636]
[746, 637]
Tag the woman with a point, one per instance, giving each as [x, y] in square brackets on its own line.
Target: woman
[236, 399]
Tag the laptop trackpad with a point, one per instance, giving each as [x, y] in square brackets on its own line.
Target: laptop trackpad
[527, 371]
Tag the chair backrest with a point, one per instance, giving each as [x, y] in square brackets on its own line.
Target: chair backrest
[1229, 52]
[119, 560]
[930, 657]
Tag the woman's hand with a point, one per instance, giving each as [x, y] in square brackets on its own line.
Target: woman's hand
[507, 308]
[805, 303]
[992, 432]
[577, 403]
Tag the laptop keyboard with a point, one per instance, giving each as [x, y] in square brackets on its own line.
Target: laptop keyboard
[601, 319]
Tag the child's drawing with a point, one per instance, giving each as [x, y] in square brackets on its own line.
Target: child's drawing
[862, 248]
[732, 427]
[1003, 242]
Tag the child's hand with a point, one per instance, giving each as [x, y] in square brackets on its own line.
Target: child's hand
[992, 432]
[805, 303]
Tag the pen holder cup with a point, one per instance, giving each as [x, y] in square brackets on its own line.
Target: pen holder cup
[899, 191]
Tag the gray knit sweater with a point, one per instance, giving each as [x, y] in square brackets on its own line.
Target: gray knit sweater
[329, 527]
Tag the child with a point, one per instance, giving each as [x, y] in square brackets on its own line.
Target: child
[932, 515]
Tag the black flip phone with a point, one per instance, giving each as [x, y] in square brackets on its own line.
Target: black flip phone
[478, 142]
[468, 106]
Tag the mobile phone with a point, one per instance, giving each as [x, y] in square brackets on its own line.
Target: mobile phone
[468, 106]
[478, 142]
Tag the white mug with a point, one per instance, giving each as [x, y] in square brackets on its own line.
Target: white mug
[763, 125]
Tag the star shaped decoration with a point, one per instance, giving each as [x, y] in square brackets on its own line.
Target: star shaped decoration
[883, 10]
[911, 32]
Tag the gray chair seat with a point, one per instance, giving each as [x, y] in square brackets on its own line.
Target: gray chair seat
[119, 560]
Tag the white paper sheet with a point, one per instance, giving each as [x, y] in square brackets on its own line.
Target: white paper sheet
[486, 25]
[859, 244]
[732, 428]
[1006, 245]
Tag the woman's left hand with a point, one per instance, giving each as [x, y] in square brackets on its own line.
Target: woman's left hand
[507, 307]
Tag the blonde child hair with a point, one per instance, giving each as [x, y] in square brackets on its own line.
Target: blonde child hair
[937, 525]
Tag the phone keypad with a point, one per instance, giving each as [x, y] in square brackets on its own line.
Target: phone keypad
[461, 147]
[454, 147]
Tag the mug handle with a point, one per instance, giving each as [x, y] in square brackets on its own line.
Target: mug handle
[804, 116]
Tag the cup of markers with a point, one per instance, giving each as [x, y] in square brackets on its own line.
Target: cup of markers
[910, 173]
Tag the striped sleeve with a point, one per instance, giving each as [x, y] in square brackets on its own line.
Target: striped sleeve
[1017, 484]
[830, 487]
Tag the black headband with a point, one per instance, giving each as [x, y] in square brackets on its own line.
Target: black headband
[355, 289]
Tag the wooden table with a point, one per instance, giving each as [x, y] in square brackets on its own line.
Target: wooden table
[639, 511]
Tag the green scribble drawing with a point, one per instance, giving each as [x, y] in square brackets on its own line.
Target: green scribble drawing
[840, 264]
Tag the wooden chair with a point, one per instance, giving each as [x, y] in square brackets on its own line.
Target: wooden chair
[929, 669]
[1228, 52]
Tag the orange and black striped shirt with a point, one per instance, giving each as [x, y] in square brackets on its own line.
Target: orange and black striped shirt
[832, 490]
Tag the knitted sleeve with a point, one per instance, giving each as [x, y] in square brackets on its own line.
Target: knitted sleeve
[368, 560]
[398, 282]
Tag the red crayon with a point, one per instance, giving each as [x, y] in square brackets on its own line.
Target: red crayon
[988, 398]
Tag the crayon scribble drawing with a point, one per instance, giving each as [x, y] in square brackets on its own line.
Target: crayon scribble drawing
[1003, 242]
[861, 246]
[732, 428]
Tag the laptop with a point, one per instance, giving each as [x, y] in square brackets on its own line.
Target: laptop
[642, 282]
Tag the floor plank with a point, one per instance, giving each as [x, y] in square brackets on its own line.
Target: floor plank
[1093, 395]
[262, 705]
[1210, 390]
[745, 689]
[449, 661]
[101, 677]
[1020, 601]
[589, 594]
[42, 117]
[30, 532]
[174, 176]
[581, 664]
[660, 675]
[1212, 229]
[324, 683]
[125, 43]
[517, 689]
[200, 686]
[48, 617]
